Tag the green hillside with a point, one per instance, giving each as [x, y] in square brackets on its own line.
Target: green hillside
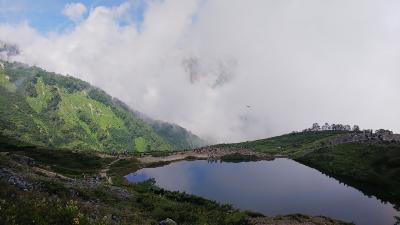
[373, 168]
[48, 109]
[296, 143]
[174, 134]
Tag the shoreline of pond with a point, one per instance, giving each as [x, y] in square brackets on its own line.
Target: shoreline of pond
[211, 154]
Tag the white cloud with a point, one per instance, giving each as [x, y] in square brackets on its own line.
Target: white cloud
[293, 63]
[74, 11]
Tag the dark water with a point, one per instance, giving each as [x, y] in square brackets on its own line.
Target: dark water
[274, 187]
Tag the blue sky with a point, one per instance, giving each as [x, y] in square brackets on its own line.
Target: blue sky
[46, 15]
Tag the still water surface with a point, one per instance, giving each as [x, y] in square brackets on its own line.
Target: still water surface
[277, 187]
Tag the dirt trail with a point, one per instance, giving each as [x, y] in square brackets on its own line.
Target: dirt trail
[173, 157]
[104, 155]
[50, 173]
[103, 172]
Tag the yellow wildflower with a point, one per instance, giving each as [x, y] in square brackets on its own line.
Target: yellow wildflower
[76, 220]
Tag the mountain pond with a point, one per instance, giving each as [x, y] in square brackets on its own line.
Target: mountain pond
[277, 187]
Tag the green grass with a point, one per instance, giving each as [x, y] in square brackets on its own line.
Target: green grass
[122, 168]
[288, 144]
[66, 162]
[34, 208]
[42, 127]
[100, 117]
[99, 113]
[4, 81]
[140, 144]
[43, 97]
[373, 168]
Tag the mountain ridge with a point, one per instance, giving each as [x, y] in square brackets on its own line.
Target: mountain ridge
[50, 109]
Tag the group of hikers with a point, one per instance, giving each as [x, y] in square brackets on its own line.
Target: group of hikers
[114, 152]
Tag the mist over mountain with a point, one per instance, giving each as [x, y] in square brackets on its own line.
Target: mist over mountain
[199, 64]
[8, 50]
[216, 72]
[49, 109]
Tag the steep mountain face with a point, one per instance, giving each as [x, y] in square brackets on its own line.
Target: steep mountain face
[53, 110]
[174, 134]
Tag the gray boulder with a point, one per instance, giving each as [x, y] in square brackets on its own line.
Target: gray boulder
[168, 221]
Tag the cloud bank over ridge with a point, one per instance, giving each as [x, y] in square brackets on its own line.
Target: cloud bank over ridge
[200, 63]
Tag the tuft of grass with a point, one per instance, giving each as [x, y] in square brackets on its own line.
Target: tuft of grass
[123, 167]
[67, 162]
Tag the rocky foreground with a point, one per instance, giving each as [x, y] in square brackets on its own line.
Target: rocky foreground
[40, 186]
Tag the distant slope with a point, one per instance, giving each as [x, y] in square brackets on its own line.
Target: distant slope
[48, 109]
[288, 144]
[176, 135]
[373, 168]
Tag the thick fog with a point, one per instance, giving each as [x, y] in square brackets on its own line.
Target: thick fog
[233, 70]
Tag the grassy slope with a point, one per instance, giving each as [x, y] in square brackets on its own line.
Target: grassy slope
[65, 112]
[4, 81]
[289, 144]
[57, 201]
[373, 168]
[178, 136]
[42, 99]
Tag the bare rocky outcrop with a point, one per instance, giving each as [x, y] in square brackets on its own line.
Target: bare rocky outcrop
[16, 180]
[23, 159]
[365, 136]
